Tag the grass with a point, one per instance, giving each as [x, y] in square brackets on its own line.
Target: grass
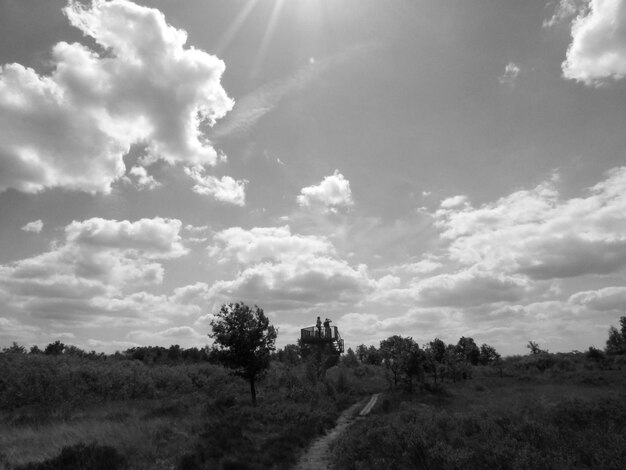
[151, 434]
[201, 419]
[555, 420]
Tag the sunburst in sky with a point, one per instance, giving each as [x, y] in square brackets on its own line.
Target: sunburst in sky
[430, 169]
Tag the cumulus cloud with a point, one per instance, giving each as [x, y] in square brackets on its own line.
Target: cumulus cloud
[511, 72]
[225, 189]
[139, 176]
[266, 244]
[598, 48]
[607, 298]
[287, 270]
[534, 232]
[332, 193]
[141, 85]
[35, 226]
[99, 267]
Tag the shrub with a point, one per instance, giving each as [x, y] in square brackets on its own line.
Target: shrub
[81, 457]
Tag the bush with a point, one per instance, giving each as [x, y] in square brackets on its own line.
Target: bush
[81, 457]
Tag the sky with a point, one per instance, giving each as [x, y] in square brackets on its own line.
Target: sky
[424, 168]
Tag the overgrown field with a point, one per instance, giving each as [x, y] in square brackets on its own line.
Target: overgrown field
[570, 415]
[62, 411]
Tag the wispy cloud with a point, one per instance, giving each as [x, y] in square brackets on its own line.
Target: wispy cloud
[252, 107]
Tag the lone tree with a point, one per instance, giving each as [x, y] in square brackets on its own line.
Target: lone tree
[244, 340]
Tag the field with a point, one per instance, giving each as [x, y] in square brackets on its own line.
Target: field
[543, 411]
[184, 416]
[567, 417]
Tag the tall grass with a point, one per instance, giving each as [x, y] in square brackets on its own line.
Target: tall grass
[559, 420]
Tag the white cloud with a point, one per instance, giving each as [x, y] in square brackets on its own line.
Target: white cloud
[266, 244]
[286, 270]
[251, 108]
[71, 128]
[333, 192]
[565, 10]
[598, 48]
[35, 226]
[533, 232]
[184, 336]
[98, 269]
[141, 178]
[225, 189]
[511, 72]
[150, 238]
[607, 298]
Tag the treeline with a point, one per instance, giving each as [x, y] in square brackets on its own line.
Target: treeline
[66, 375]
[149, 355]
[406, 362]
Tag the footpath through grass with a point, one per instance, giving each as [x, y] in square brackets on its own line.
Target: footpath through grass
[119, 414]
[554, 420]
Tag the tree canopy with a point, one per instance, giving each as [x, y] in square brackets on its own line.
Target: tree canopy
[244, 340]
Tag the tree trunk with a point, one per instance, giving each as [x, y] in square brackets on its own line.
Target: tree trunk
[253, 392]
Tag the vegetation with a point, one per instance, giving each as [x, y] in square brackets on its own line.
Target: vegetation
[244, 340]
[445, 406]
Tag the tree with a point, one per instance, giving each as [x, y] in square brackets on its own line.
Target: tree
[350, 359]
[289, 355]
[488, 355]
[616, 343]
[402, 356]
[15, 349]
[373, 356]
[468, 350]
[361, 352]
[244, 340]
[437, 349]
[535, 349]
[54, 349]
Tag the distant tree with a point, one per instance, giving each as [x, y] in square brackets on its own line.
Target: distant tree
[595, 354]
[244, 340]
[373, 356]
[54, 349]
[361, 352]
[14, 349]
[435, 354]
[74, 351]
[453, 362]
[403, 358]
[289, 355]
[488, 355]
[616, 343]
[467, 349]
[175, 354]
[437, 349]
[35, 350]
[350, 359]
[535, 349]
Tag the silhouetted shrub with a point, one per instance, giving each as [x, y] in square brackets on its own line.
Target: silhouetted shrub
[81, 457]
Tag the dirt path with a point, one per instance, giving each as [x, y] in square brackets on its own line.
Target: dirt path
[317, 457]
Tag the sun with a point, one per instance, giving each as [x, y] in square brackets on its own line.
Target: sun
[307, 13]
